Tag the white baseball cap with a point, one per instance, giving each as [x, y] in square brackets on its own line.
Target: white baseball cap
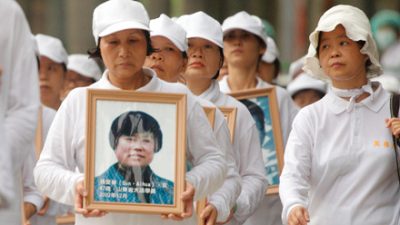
[272, 51]
[244, 21]
[116, 15]
[357, 28]
[305, 81]
[166, 27]
[84, 65]
[52, 48]
[201, 25]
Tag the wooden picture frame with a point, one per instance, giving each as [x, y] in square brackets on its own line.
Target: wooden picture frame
[230, 116]
[109, 178]
[263, 106]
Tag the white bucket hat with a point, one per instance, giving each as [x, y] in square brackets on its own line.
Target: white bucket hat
[357, 28]
[116, 15]
[272, 51]
[85, 66]
[201, 25]
[52, 48]
[166, 27]
[305, 81]
[244, 21]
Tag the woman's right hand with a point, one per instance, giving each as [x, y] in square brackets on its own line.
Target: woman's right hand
[81, 193]
[298, 216]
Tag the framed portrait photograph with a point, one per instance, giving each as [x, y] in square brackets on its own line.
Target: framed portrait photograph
[263, 107]
[135, 151]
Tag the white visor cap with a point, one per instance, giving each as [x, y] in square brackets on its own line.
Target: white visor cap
[117, 15]
[244, 21]
[272, 51]
[201, 25]
[166, 27]
[52, 48]
[357, 28]
[85, 66]
[305, 81]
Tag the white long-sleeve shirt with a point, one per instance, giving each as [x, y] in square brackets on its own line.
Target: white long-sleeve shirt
[64, 150]
[341, 165]
[225, 197]
[270, 208]
[247, 148]
[19, 103]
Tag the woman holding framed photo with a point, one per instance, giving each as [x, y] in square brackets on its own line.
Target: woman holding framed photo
[121, 32]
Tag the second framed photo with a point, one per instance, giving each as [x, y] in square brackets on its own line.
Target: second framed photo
[135, 151]
[263, 107]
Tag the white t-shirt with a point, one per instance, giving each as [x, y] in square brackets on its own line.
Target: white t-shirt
[65, 149]
[341, 165]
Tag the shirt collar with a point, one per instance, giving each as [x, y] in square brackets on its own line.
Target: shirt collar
[153, 85]
[338, 105]
[212, 93]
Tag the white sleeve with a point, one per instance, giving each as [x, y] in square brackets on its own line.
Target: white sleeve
[251, 169]
[225, 197]
[19, 97]
[209, 165]
[295, 179]
[30, 192]
[57, 162]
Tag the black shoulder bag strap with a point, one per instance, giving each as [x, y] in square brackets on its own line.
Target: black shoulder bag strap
[394, 111]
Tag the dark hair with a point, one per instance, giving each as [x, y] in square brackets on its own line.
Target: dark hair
[277, 65]
[133, 122]
[221, 53]
[258, 116]
[96, 53]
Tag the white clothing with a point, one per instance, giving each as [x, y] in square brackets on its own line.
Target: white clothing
[30, 192]
[65, 149]
[247, 152]
[340, 165]
[19, 103]
[270, 208]
[55, 208]
[225, 197]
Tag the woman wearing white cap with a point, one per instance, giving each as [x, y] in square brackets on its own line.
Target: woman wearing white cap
[244, 45]
[170, 38]
[81, 71]
[53, 61]
[120, 28]
[340, 165]
[169, 43]
[306, 90]
[270, 66]
[205, 56]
